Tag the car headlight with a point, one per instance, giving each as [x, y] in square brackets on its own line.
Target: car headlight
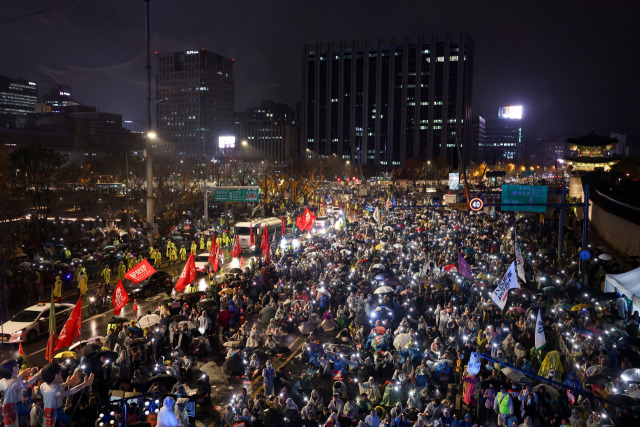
[92, 299]
[135, 291]
[18, 332]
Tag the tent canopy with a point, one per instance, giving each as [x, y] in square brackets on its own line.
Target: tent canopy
[628, 284]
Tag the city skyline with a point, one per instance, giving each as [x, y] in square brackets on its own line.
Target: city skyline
[568, 64]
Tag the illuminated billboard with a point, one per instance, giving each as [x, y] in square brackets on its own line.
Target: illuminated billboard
[510, 112]
[227, 142]
[454, 181]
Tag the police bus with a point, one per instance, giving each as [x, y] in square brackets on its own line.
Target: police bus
[243, 231]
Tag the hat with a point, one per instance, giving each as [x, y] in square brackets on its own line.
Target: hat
[503, 387]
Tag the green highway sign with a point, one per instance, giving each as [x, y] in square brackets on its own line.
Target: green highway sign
[236, 194]
[527, 173]
[524, 198]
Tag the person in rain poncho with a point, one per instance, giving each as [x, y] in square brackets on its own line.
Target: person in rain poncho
[269, 375]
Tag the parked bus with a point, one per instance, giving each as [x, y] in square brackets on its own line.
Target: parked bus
[243, 231]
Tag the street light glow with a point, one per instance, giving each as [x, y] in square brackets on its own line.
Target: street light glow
[151, 135]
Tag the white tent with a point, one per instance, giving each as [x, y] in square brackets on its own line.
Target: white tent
[628, 284]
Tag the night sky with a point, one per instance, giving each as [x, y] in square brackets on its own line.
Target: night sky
[572, 64]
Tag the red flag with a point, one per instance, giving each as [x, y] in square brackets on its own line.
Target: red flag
[20, 350]
[235, 252]
[216, 263]
[305, 222]
[264, 245]
[188, 274]
[71, 328]
[241, 261]
[252, 242]
[282, 219]
[140, 272]
[266, 256]
[120, 298]
[212, 253]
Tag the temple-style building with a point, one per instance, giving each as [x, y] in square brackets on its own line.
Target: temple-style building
[590, 152]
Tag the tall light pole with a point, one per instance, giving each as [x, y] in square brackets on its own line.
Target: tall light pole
[150, 137]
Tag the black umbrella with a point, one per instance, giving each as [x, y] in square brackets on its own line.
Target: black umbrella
[91, 348]
[207, 302]
[632, 356]
[597, 379]
[622, 400]
[119, 320]
[107, 354]
[233, 367]
[178, 318]
[629, 341]
[266, 314]
[165, 379]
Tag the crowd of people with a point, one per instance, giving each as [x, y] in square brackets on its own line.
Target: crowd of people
[392, 326]
[395, 335]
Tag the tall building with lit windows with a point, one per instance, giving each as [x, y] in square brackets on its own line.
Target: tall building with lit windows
[503, 136]
[18, 97]
[383, 101]
[195, 96]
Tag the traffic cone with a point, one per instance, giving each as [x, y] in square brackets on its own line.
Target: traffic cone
[20, 350]
[241, 261]
[135, 307]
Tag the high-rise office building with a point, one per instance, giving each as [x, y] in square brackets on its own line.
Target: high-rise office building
[503, 136]
[17, 98]
[267, 132]
[195, 93]
[383, 101]
[476, 153]
[58, 100]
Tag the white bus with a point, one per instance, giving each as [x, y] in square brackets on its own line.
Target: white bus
[243, 231]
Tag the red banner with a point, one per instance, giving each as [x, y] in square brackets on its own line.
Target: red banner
[212, 252]
[216, 263]
[282, 219]
[140, 272]
[71, 328]
[120, 298]
[237, 250]
[264, 245]
[188, 274]
[252, 241]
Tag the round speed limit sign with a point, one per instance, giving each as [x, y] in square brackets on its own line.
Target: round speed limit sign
[476, 204]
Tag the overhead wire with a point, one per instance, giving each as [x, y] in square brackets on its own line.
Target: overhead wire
[37, 12]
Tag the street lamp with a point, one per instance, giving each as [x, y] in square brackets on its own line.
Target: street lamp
[151, 136]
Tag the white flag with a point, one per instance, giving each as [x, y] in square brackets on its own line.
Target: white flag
[473, 368]
[539, 337]
[519, 262]
[376, 215]
[509, 281]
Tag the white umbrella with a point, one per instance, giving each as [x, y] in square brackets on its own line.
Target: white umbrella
[345, 251]
[377, 266]
[190, 325]
[515, 376]
[323, 291]
[306, 328]
[383, 290]
[24, 265]
[605, 257]
[631, 375]
[148, 321]
[401, 341]
[97, 339]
